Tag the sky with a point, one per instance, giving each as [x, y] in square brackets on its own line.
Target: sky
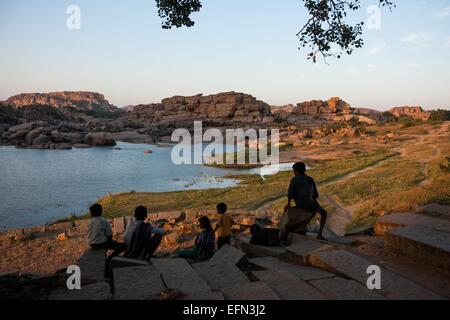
[248, 46]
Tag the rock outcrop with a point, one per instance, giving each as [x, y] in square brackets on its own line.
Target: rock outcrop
[317, 107]
[78, 100]
[413, 112]
[223, 109]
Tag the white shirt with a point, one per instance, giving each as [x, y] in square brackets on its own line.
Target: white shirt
[98, 230]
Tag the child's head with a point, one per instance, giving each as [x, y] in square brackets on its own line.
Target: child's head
[205, 223]
[140, 213]
[222, 208]
[96, 210]
[299, 168]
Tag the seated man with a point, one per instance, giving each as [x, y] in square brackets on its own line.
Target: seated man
[99, 235]
[142, 239]
[303, 191]
[204, 243]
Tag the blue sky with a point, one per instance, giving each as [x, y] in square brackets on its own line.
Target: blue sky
[248, 46]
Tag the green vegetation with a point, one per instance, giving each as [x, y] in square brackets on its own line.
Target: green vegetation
[250, 194]
[440, 115]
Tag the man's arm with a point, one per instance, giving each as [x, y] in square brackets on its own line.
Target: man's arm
[291, 192]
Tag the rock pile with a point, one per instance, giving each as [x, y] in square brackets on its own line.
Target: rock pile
[78, 100]
[413, 112]
[317, 107]
[223, 109]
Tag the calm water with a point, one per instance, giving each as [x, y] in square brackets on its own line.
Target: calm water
[38, 186]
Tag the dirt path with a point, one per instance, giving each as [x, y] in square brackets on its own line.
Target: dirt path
[340, 216]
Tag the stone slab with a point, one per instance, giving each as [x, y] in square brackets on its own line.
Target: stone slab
[301, 251]
[429, 246]
[220, 275]
[262, 251]
[352, 266]
[250, 291]
[137, 283]
[398, 220]
[122, 262]
[344, 289]
[92, 265]
[303, 272]
[95, 291]
[288, 286]
[178, 274]
[230, 254]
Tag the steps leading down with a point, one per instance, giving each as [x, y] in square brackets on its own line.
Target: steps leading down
[288, 286]
[398, 220]
[178, 274]
[137, 283]
[429, 246]
[352, 266]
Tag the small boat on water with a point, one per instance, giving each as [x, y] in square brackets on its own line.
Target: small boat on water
[148, 151]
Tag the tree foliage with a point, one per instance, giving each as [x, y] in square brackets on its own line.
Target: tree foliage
[326, 33]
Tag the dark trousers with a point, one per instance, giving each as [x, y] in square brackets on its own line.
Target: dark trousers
[221, 241]
[152, 245]
[117, 249]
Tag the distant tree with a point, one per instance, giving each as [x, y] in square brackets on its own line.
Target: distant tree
[440, 115]
[325, 29]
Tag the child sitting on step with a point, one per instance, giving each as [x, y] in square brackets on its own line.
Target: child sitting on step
[204, 243]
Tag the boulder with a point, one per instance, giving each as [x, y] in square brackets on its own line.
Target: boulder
[100, 139]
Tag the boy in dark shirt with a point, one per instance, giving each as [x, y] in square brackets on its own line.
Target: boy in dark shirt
[303, 191]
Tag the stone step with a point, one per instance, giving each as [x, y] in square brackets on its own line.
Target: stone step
[398, 220]
[137, 283]
[122, 262]
[429, 246]
[220, 275]
[95, 291]
[344, 289]
[178, 274]
[288, 286]
[254, 250]
[92, 265]
[303, 272]
[250, 291]
[352, 266]
[231, 254]
[301, 250]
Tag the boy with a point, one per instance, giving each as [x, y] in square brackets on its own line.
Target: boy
[223, 227]
[99, 235]
[303, 191]
[142, 238]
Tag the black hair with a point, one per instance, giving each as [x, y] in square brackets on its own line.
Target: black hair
[222, 208]
[140, 213]
[96, 210]
[300, 167]
[205, 223]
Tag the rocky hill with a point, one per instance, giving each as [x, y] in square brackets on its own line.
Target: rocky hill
[413, 112]
[317, 107]
[78, 100]
[223, 109]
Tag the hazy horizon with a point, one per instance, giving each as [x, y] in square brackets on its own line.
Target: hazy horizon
[122, 52]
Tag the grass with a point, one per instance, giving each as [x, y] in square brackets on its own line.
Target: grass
[400, 189]
[250, 194]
